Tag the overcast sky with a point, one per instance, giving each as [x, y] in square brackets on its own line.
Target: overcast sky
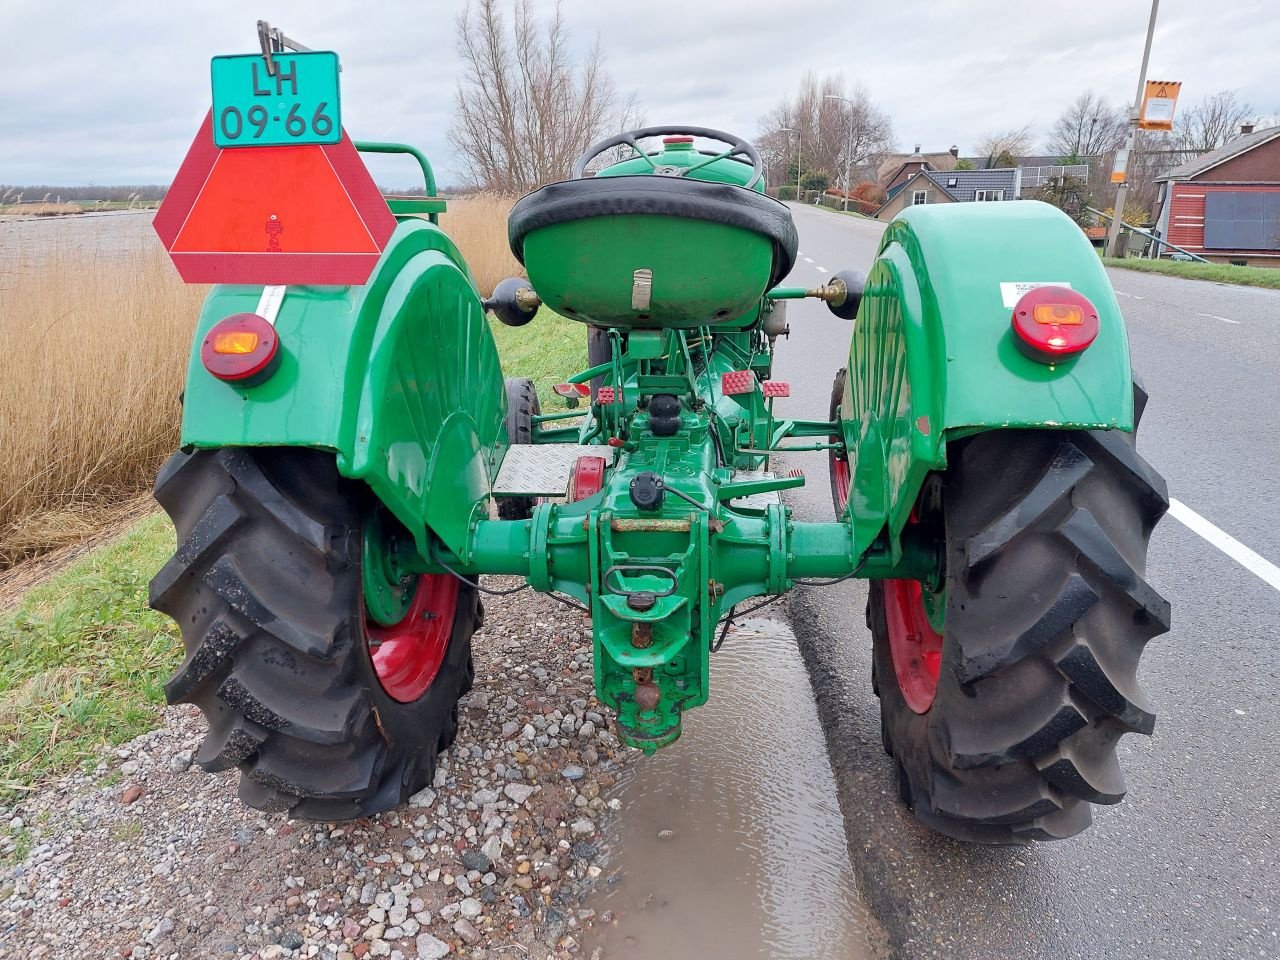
[107, 91]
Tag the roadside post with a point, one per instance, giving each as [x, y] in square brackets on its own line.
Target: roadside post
[1119, 174]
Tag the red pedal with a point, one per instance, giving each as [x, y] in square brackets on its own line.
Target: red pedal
[776, 388]
[604, 395]
[737, 382]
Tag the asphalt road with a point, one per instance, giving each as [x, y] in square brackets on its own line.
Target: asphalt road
[1187, 865]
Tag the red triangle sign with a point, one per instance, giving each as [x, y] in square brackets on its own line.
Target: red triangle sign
[273, 215]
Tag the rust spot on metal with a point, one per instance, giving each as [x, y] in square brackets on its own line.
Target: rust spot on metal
[635, 524]
[922, 424]
[642, 635]
[647, 693]
[715, 525]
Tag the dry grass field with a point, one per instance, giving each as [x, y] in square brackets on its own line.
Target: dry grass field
[95, 350]
[89, 384]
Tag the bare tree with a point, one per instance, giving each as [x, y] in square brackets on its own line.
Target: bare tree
[1090, 127]
[525, 109]
[1211, 123]
[1003, 148]
[814, 130]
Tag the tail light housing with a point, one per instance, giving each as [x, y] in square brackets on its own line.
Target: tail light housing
[242, 349]
[1054, 324]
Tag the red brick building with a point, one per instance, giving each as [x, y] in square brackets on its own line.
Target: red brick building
[1225, 205]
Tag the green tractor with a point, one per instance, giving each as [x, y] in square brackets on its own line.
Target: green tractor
[351, 464]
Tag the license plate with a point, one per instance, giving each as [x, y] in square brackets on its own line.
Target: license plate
[297, 104]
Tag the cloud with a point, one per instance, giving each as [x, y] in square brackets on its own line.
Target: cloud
[112, 91]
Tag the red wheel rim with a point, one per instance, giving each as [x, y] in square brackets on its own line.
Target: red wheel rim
[840, 475]
[915, 647]
[407, 655]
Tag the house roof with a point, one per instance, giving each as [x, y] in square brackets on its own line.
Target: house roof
[894, 162]
[967, 183]
[1202, 164]
[928, 175]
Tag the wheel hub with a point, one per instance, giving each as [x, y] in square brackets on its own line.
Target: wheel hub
[407, 655]
[915, 646]
[388, 588]
[915, 612]
[408, 618]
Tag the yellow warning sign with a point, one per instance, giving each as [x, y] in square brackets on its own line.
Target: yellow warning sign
[1158, 103]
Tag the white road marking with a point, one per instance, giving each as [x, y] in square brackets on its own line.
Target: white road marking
[821, 269]
[1233, 548]
[806, 259]
[1214, 316]
[1132, 296]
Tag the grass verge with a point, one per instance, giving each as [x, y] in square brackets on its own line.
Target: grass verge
[83, 660]
[548, 350]
[1214, 272]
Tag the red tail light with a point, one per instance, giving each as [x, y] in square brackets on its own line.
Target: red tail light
[242, 349]
[1054, 324]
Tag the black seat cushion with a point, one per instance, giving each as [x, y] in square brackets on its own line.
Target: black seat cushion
[664, 196]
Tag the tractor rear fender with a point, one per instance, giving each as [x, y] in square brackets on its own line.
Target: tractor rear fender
[933, 358]
[399, 378]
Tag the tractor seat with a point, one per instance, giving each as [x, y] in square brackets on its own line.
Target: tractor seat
[721, 203]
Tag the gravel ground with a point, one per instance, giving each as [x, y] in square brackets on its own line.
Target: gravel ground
[149, 857]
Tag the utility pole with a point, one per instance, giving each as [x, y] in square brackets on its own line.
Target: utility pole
[848, 150]
[799, 169]
[1122, 158]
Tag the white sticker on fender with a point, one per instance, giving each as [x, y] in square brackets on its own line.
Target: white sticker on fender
[1011, 293]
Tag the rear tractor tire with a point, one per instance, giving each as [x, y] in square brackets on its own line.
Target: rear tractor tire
[522, 407]
[1005, 687]
[329, 714]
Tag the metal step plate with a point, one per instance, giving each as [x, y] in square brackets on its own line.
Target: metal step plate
[542, 469]
[757, 501]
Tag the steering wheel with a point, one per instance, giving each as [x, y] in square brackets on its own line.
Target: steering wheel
[737, 147]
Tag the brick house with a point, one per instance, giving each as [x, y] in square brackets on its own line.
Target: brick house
[951, 186]
[1225, 205]
[897, 168]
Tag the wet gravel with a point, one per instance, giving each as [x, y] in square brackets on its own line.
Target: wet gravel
[149, 857]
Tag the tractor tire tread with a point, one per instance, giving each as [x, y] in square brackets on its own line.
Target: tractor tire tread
[522, 406]
[265, 585]
[1033, 696]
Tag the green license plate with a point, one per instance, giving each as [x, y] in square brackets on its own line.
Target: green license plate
[298, 104]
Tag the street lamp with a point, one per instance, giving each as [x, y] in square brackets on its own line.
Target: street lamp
[848, 149]
[799, 145]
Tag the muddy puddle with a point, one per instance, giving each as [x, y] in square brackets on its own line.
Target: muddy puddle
[730, 842]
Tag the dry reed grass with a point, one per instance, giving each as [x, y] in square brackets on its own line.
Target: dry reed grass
[478, 225]
[93, 358]
[95, 347]
[41, 209]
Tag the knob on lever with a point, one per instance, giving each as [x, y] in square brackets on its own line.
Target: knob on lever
[513, 302]
[846, 293]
